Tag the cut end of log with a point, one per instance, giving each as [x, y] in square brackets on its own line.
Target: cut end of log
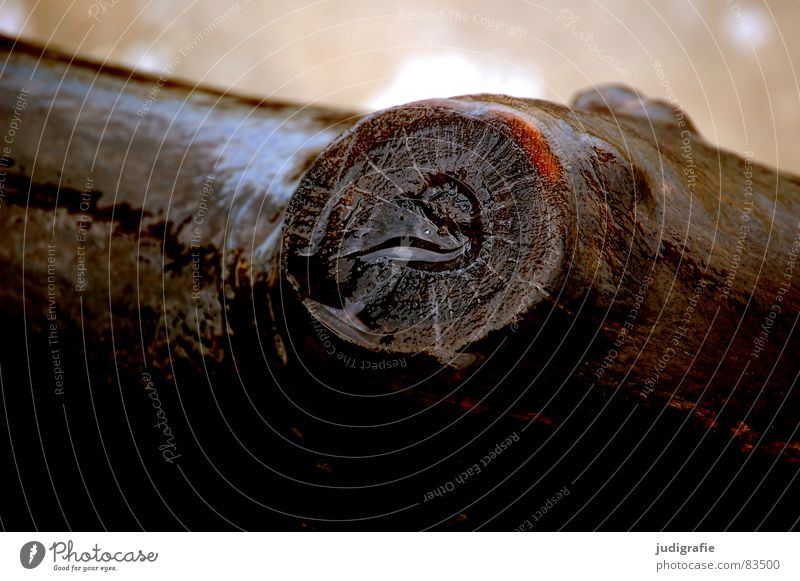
[428, 226]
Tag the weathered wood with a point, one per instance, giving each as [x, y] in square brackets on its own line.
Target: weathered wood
[453, 271]
[137, 216]
[154, 197]
[443, 227]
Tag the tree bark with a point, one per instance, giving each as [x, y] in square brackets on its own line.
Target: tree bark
[451, 274]
[607, 246]
[140, 204]
[138, 216]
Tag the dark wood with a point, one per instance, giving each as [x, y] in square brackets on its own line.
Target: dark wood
[151, 195]
[453, 273]
[443, 227]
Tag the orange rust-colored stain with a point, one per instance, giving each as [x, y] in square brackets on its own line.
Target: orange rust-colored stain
[536, 146]
[536, 417]
[324, 466]
[790, 451]
[465, 403]
[746, 436]
[680, 404]
[469, 405]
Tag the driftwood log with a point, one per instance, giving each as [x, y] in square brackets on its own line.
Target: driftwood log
[227, 312]
[445, 226]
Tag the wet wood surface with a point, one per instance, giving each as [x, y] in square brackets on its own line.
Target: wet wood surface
[445, 227]
[597, 287]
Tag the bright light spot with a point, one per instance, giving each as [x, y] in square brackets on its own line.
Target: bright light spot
[451, 75]
[11, 19]
[145, 59]
[748, 25]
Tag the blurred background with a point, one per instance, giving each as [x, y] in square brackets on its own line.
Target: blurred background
[731, 64]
